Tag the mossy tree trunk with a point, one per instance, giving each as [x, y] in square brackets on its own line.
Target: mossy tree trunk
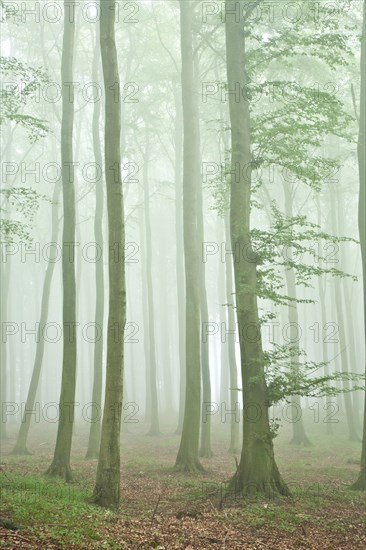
[107, 484]
[257, 471]
[60, 465]
[187, 458]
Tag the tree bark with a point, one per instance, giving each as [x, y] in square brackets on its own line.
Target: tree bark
[299, 436]
[94, 433]
[187, 458]
[60, 465]
[178, 146]
[257, 471]
[20, 447]
[360, 483]
[107, 485]
[150, 328]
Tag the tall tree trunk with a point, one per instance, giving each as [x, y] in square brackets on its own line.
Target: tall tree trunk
[338, 291]
[360, 483]
[230, 298]
[20, 447]
[224, 383]
[178, 146]
[324, 320]
[94, 434]
[4, 289]
[257, 470]
[107, 485]
[150, 328]
[187, 458]
[299, 436]
[61, 460]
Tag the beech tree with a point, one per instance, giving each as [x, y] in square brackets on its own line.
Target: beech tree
[360, 483]
[60, 465]
[257, 470]
[107, 485]
[187, 458]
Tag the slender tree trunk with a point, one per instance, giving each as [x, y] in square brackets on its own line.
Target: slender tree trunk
[230, 297]
[21, 443]
[352, 353]
[325, 357]
[257, 470]
[61, 460]
[205, 449]
[360, 483]
[94, 434]
[107, 485]
[178, 145]
[187, 458]
[337, 288]
[4, 289]
[224, 382]
[299, 436]
[151, 358]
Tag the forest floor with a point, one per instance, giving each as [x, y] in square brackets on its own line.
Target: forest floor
[163, 509]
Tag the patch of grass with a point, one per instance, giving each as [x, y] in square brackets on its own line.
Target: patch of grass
[52, 509]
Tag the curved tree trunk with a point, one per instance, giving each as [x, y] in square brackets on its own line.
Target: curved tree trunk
[257, 471]
[107, 484]
[20, 447]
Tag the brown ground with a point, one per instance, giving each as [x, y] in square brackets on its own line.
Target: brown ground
[163, 509]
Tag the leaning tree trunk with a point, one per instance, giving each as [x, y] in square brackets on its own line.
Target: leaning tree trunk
[360, 483]
[94, 433]
[107, 484]
[61, 460]
[257, 471]
[187, 458]
[21, 443]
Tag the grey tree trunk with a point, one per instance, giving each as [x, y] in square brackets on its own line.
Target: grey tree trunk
[338, 291]
[151, 358]
[61, 460]
[324, 320]
[4, 289]
[94, 433]
[230, 297]
[257, 470]
[178, 146]
[299, 436]
[20, 447]
[107, 485]
[360, 483]
[187, 458]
